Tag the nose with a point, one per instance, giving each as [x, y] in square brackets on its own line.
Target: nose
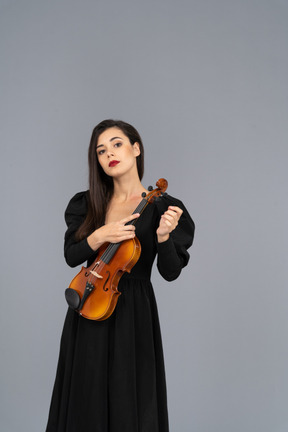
[110, 153]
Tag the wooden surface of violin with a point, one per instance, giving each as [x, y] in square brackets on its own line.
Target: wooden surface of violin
[103, 280]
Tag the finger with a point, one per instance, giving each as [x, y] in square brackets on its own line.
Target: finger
[178, 210]
[125, 237]
[172, 213]
[130, 218]
[168, 223]
[128, 228]
[169, 217]
[177, 214]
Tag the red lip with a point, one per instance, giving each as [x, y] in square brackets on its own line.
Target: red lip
[113, 163]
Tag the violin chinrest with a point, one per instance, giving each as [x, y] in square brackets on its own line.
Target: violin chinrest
[72, 297]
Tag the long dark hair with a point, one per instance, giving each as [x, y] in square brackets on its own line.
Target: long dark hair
[101, 186]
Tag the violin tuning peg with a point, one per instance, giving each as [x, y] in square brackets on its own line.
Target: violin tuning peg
[164, 194]
[143, 194]
[150, 188]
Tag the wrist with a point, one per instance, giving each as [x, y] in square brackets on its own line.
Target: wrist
[162, 238]
[94, 240]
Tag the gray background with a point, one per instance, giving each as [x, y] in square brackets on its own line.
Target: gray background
[205, 83]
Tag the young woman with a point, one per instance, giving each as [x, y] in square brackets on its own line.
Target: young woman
[110, 375]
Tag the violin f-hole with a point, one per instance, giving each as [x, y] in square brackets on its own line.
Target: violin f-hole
[105, 283]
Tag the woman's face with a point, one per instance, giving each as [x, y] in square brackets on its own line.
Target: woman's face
[115, 153]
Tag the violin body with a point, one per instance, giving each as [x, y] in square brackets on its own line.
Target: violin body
[102, 301]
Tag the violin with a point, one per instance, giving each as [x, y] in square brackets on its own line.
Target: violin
[93, 292]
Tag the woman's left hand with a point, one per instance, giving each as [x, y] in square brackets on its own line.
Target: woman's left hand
[168, 222]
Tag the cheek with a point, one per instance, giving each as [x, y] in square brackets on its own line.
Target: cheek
[129, 152]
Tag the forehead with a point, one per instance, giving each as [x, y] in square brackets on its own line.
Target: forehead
[110, 133]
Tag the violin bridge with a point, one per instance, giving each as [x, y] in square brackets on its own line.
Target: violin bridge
[96, 274]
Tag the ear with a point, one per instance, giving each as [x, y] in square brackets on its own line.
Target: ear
[136, 148]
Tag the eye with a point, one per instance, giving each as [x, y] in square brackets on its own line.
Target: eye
[100, 152]
[118, 144]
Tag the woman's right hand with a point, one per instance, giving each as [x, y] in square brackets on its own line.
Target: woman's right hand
[113, 232]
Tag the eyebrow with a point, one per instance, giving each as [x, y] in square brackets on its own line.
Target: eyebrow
[116, 138]
[111, 139]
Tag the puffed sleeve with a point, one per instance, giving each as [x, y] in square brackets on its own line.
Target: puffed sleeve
[76, 252]
[173, 254]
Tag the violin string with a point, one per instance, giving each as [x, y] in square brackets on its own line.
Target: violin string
[99, 268]
[106, 253]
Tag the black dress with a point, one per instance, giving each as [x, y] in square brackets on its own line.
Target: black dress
[110, 375]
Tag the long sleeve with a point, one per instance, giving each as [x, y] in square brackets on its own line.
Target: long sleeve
[76, 252]
[173, 254]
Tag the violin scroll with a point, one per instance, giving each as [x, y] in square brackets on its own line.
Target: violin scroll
[162, 185]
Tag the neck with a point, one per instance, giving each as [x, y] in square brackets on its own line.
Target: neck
[127, 187]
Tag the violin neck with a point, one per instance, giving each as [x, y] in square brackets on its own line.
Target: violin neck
[139, 209]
